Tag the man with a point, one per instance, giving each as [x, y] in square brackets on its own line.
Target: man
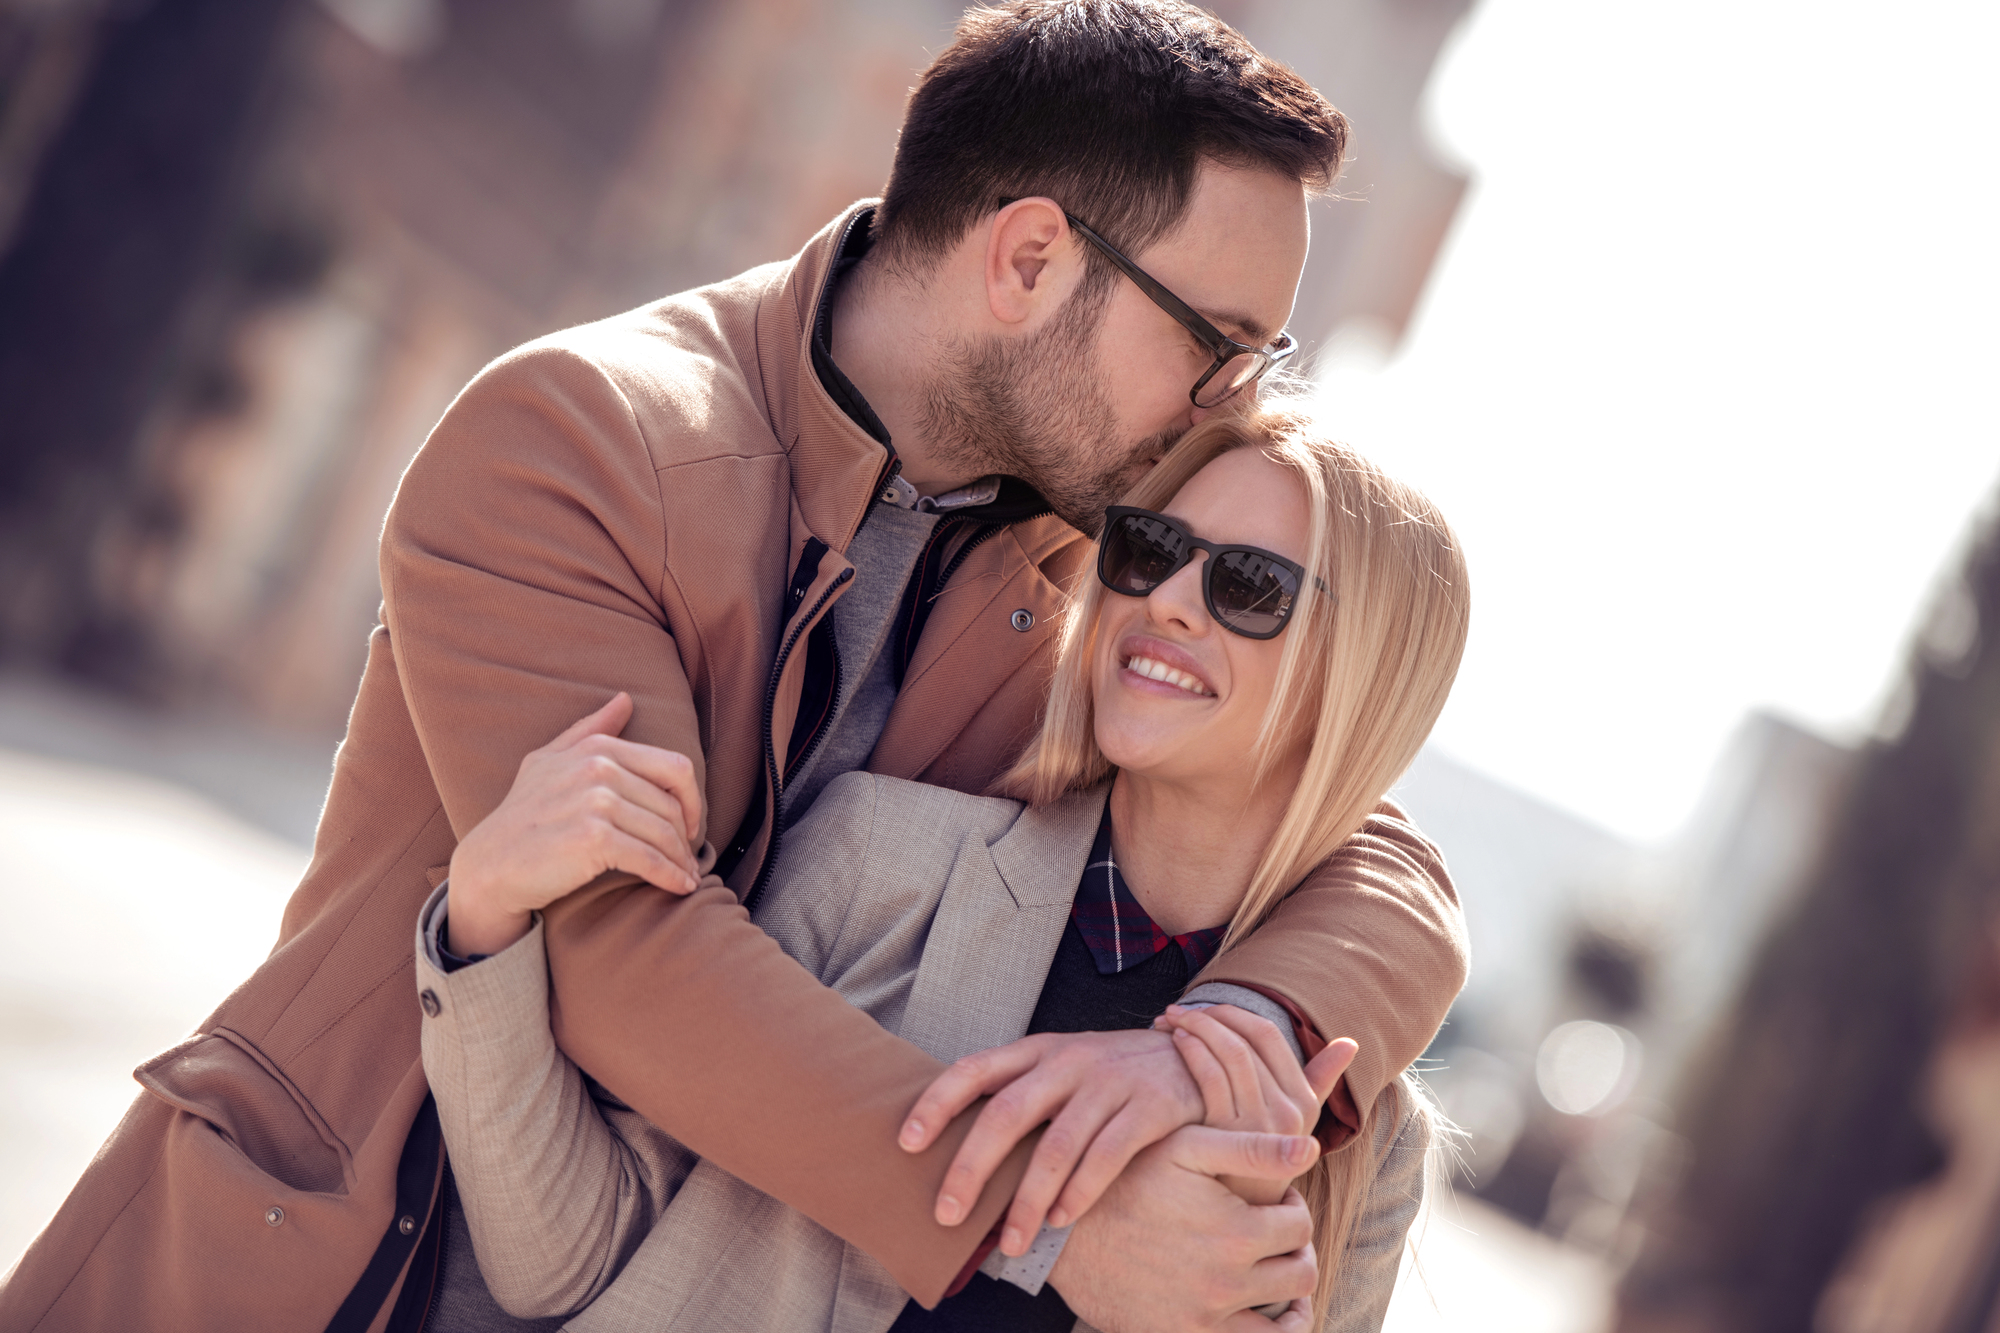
[814, 518]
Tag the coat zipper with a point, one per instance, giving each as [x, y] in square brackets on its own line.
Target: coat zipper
[770, 742]
[833, 707]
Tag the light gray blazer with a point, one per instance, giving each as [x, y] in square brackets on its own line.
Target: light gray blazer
[938, 914]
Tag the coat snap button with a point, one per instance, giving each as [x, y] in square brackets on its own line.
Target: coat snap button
[429, 1000]
[406, 1224]
[1024, 619]
[274, 1218]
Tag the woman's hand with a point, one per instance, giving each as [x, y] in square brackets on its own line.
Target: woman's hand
[585, 803]
[1249, 1079]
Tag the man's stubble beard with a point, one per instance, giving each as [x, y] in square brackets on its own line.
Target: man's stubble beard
[1036, 410]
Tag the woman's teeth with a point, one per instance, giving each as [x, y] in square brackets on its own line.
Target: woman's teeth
[1160, 671]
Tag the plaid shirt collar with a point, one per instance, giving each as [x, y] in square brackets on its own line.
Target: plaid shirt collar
[1117, 929]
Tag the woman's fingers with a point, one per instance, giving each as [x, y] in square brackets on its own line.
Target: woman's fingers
[622, 851]
[608, 782]
[672, 865]
[1250, 1084]
[1324, 1071]
[608, 720]
[1217, 1102]
[964, 1083]
[669, 771]
[1271, 1047]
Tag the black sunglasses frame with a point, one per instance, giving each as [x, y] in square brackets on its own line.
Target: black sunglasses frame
[1224, 348]
[1215, 550]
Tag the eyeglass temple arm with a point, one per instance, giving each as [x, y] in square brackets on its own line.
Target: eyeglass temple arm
[1215, 339]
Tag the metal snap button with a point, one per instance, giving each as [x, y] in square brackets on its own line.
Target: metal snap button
[406, 1224]
[274, 1217]
[429, 1001]
[1024, 619]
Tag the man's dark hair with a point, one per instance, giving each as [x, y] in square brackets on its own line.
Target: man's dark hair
[1109, 107]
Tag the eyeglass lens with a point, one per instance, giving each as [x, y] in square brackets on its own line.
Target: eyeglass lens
[1237, 373]
[1247, 592]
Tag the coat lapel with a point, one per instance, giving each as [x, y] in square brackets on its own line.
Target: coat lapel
[997, 928]
[992, 939]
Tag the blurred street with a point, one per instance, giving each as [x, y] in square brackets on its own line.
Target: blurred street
[144, 862]
[134, 902]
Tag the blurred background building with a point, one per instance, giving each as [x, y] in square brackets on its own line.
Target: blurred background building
[249, 249]
[1743, 1077]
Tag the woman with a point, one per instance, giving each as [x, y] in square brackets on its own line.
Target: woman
[1283, 627]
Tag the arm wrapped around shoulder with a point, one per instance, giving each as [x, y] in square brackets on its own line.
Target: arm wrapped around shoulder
[1371, 946]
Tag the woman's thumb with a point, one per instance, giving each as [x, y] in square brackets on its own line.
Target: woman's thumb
[608, 720]
[1323, 1071]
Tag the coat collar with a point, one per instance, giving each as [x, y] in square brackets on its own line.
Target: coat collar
[837, 466]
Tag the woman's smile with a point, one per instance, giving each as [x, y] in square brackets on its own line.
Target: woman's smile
[1157, 667]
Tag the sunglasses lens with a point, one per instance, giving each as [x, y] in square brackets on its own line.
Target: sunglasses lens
[1250, 593]
[1139, 554]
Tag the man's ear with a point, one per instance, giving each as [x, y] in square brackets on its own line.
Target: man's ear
[1031, 260]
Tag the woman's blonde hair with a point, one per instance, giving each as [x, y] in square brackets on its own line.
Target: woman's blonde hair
[1368, 659]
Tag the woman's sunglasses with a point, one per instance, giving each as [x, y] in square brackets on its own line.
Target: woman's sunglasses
[1248, 590]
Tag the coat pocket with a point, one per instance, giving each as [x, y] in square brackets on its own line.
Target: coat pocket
[225, 1080]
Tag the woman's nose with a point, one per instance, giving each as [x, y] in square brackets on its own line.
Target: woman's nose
[1178, 601]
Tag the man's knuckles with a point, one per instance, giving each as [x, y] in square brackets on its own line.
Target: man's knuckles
[1012, 1104]
[1060, 1145]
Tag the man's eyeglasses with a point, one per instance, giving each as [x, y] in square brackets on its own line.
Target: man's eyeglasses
[1248, 590]
[1237, 366]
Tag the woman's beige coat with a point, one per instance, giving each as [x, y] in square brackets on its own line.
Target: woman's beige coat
[938, 914]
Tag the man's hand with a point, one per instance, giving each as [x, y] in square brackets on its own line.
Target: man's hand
[1169, 1249]
[1110, 1094]
[585, 803]
[1249, 1079]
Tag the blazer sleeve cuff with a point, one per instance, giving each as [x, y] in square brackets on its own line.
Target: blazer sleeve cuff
[481, 1008]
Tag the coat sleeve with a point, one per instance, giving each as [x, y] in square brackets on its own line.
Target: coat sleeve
[524, 582]
[558, 1189]
[1372, 946]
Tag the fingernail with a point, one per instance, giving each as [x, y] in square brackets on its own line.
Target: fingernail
[1298, 1151]
[1058, 1218]
[913, 1134]
[947, 1211]
[1175, 1009]
[1010, 1241]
